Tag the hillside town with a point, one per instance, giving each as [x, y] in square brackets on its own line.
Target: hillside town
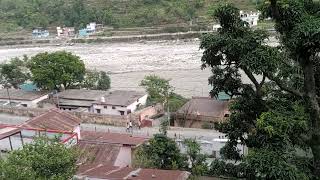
[236, 98]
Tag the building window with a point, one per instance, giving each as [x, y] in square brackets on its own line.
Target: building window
[98, 111]
[121, 113]
[113, 107]
[24, 105]
[106, 107]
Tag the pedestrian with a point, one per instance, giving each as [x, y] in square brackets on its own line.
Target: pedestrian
[127, 130]
[139, 124]
[130, 126]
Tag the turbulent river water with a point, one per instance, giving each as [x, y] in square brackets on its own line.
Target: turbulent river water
[128, 63]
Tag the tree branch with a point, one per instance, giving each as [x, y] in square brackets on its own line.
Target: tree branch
[263, 80]
[251, 76]
[283, 86]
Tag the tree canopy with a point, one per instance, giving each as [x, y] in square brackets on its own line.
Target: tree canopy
[276, 117]
[51, 70]
[42, 159]
[96, 80]
[14, 73]
[160, 91]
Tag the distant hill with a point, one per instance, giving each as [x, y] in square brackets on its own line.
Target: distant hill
[26, 14]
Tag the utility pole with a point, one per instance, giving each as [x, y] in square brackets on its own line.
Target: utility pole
[7, 87]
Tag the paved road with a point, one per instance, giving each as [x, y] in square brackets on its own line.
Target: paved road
[177, 132]
[180, 133]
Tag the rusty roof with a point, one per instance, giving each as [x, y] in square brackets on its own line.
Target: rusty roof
[7, 131]
[92, 153]
[81, 94]
[121, 98]
[113, 138]
[205, 106]
[107, 172]
[53, 119]
[18, 94]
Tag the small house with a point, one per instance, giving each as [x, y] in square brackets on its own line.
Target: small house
[201, 111]
[251, 18]
[65, 31]
[21, 98]
[120, 102]
[78, 99]
[53, 123]
[40, 33]
[55, 120]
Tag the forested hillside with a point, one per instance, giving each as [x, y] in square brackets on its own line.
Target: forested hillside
[22, 14]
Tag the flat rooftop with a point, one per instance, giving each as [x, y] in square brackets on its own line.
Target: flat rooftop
[82, 94]
[20, 95]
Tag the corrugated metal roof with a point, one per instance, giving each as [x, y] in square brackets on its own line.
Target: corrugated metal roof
[54, 119]
[8, 131]
[204, 106]
[121, 98]
[112, 138]
[18, 94]
[101, 171]
[92, 153]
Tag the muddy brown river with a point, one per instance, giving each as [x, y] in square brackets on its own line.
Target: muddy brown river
[128, 63]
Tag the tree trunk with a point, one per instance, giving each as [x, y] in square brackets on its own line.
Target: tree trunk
[310, 97]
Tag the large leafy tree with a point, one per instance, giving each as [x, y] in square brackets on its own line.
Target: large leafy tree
[43, 159]
[161, 152]
[14, 73]
[51, 70]
[96, 80]
[271, 117]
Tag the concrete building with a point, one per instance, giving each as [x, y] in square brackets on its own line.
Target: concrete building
[65, 31]
[251, 18]
[200, 111]
[120, 102]
[40, 33]
[18, 97]
[78, 99]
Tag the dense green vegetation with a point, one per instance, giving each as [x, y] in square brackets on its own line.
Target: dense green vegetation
[162, 152]
[42, 159]
[52, 71]
[279, 119]
[160, 91]
[34, 13]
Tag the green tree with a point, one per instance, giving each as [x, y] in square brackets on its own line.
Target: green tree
[104, 81]
[43, 159]
[160, 91]
[298, 23]
[96, 80]
[51, 70]
[14, 73]
[198, 165]
[161, 152]
[269, 117]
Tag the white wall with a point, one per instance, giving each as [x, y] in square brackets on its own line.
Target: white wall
[32, 104]
[107, 109]
[124, 157]
[141, 101]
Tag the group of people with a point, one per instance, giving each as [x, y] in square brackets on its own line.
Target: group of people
[130, 126]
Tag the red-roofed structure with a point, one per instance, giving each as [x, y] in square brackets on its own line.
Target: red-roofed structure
[113, 149]
[107, 172]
